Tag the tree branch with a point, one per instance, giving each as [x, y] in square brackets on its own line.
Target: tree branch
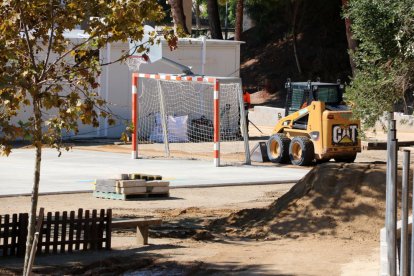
[68, 52]
[27, 39]
[49, 48]
[107, 110]
[124, 56]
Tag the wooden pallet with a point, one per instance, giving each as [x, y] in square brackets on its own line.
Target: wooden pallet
[141, 190]
[149, 177]
[116, 196]
[130, 183]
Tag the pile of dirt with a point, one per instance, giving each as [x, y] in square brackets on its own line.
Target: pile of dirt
[345, 200]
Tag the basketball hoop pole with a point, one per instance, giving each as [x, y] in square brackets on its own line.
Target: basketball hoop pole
[134, 90]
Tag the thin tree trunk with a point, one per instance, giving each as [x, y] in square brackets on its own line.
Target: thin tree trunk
[239, 20]
[178, 15]
[294, 18]
[196, 7]
[352, 44]
[35, 192]
[405, 102]
[214, 19]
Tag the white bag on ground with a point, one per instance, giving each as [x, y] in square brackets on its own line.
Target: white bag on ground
[176, 129]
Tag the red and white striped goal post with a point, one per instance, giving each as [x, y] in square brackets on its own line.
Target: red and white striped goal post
[216, 115]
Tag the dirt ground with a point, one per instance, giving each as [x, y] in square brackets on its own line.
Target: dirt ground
[180, 244]
[326, 224]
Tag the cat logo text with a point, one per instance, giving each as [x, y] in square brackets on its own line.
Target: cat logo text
[344, 134]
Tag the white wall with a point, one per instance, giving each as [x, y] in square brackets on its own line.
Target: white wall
[222, 60]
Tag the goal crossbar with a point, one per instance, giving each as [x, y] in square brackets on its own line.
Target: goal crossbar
[195, 78]
[215, 82]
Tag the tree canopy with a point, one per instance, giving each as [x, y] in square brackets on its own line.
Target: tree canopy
[54, 77]
[38, 62]
[384, 58]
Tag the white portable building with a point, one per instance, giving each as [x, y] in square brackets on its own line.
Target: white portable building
[222, 59]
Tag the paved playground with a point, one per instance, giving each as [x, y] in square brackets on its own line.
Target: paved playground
[76, 170]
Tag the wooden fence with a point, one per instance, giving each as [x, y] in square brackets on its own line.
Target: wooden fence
[13, 233]
[59, 233]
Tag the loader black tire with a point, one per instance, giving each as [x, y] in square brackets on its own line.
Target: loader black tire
[350, 158]
[278, 148]
[301, 151]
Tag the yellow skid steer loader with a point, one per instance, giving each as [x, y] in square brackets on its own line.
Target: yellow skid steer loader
[318, 126]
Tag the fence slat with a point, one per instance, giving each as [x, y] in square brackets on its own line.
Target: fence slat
[6, 226]
[86, 231]
[108, 229]
[14, 235]
[63, 232]
[55, 240]
[41, 239]
[23, 223]
[101, 228]
[38, 228]
[48, 232]
[71, 230]
[93, 233]
[79, 229]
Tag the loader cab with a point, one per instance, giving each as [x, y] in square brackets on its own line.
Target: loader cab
[301, 94]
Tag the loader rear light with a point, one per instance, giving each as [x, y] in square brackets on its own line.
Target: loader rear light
[314, 135]
[331, 116]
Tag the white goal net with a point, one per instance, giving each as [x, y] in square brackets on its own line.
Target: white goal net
[180, 117]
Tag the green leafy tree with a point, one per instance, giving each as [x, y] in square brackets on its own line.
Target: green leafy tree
[200, 11]
[384, 58]
[55, 78]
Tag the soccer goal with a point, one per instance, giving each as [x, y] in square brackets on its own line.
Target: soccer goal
[192, 117]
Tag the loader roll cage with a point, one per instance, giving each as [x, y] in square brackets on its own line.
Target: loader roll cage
[301, 94]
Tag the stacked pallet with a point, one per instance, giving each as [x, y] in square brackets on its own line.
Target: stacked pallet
[130, 186]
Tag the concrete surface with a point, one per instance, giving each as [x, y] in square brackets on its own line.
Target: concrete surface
[265, 118]
[76, 170]
[384, 246]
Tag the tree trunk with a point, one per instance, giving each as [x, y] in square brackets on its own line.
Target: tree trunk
[405, 96]
[196, 8]
[178, 15]
[214, 19]
[294, 19]
[352, 44]
[35, 192]
[239, 20]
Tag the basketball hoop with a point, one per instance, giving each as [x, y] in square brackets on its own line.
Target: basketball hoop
[134, 62]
